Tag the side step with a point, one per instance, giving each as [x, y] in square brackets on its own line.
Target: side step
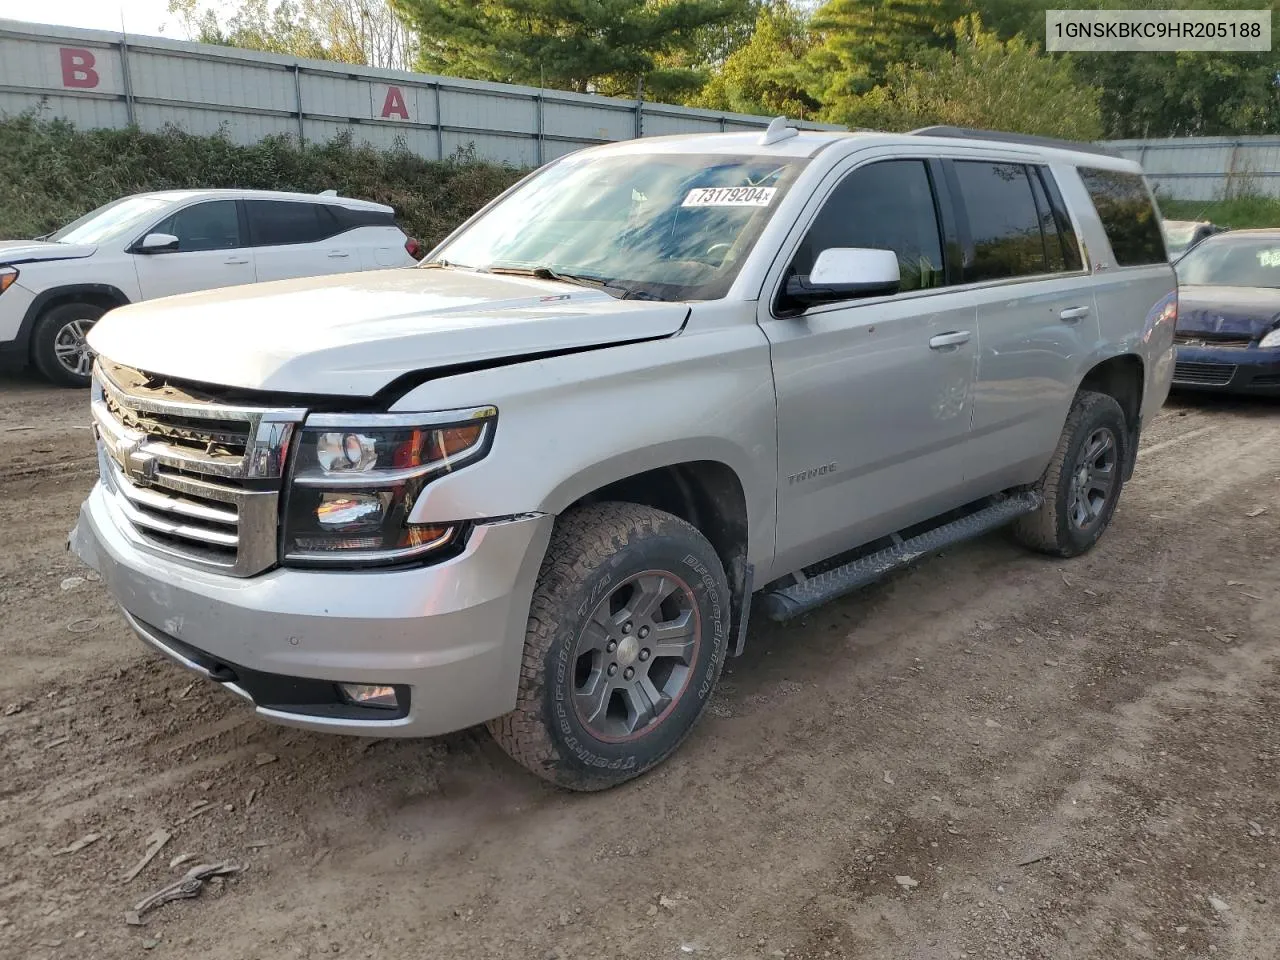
[789, 602]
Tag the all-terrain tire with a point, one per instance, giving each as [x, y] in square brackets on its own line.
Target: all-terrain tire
[596, 555]
[63, 327]
[1055, 528]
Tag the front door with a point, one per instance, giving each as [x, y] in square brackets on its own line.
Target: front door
[873, 395]
[210, 253]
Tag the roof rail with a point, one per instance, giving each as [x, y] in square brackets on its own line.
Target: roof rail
[966, 133]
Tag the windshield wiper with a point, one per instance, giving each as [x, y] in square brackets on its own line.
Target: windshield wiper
[621, 291]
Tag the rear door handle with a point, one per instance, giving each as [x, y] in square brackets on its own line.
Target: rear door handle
[338, 255]
[237, 261]
[944, 340]
[1072, 314]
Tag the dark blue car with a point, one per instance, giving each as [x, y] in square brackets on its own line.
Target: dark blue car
[1228, 334]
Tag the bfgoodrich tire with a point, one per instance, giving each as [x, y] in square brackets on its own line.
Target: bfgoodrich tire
[58, 347]
[628, 631]
[1082, 483]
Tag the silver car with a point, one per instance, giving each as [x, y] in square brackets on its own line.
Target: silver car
[537, 481]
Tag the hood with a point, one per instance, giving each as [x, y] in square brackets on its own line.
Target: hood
[1228, 311]
[25, 251]
[353, 334]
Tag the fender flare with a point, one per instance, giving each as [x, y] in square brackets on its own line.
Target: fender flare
[22, 343]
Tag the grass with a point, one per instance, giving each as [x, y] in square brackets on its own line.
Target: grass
[51, 173]
[1238, 213]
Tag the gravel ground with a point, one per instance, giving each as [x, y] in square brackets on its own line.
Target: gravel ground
[992, 755]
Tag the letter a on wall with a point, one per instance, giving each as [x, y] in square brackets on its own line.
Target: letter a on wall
[78, 68]
[393, 105]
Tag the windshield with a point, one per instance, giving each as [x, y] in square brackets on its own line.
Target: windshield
[111, 221]
[662, 226]
[1238, 262]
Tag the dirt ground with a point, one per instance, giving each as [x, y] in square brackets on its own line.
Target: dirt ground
[992, 755]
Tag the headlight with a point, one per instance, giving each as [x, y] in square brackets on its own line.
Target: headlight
[356, 479]
[8, 277]
[1272, 339]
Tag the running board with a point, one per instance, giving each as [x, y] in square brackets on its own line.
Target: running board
[787, 603]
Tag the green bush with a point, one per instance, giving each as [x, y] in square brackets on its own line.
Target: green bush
[1239, 213]
[51, 173]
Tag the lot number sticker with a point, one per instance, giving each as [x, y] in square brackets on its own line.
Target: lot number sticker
[730, 197]
[1269, 258]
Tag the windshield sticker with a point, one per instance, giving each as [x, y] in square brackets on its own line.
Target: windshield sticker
[730, 197]
[1269, 258]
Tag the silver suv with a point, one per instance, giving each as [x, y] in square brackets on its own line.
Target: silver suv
[537, 481]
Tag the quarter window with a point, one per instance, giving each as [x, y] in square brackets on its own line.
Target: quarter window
[885, 206]
[1006, 238]
[1127, 214]
[205, 226]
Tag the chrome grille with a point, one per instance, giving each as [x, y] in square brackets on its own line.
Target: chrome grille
[195, 480]
[1199, 339]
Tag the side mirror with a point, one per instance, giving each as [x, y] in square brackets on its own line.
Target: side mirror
[842, 273]
[158, 243]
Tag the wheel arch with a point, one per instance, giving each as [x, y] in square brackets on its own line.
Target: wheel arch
[100, 294]
[1123, 378]
[709, 495]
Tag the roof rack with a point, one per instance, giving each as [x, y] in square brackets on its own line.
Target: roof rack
[966, 133]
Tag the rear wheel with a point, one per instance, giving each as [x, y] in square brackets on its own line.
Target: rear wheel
[1082, 484]
[59, 348]
[627, 636]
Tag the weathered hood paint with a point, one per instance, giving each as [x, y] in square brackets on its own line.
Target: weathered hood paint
[1243, 311]
[352, 334]
[27, 251]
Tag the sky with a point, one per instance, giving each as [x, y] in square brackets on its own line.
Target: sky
[140, 16]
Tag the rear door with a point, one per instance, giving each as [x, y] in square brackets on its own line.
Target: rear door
[211, 252]
[1035, 313]
[297, 238]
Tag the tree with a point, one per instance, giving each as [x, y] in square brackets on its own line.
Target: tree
[986, 82]
[603, 46]
[364, 32]
[860, 40]
[766, 75]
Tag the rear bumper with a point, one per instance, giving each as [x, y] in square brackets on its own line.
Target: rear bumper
[1227, 370]
[451, 635]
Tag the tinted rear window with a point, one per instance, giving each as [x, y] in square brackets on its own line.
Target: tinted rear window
[1005, 235]
[276, 222]
[1127, 215]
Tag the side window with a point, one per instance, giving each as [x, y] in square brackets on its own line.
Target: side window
[1004, 223]
[279, 222]
[1072, 259]
[206, 226]
[1048, 226]
[886, 206]
[1127, 215]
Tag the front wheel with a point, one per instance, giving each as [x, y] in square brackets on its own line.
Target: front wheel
[1082, 483]
[60, 348]
[628, 631]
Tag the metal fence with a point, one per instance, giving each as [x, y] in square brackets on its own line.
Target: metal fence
[100, 79]
[1208, 168]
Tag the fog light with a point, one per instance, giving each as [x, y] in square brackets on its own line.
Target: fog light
[370, 695]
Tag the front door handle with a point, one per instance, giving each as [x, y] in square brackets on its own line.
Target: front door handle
[944, 340]
[338, 255]
[237, 261]
[1072, 314]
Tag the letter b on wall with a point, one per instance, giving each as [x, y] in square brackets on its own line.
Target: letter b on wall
[78, 68]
